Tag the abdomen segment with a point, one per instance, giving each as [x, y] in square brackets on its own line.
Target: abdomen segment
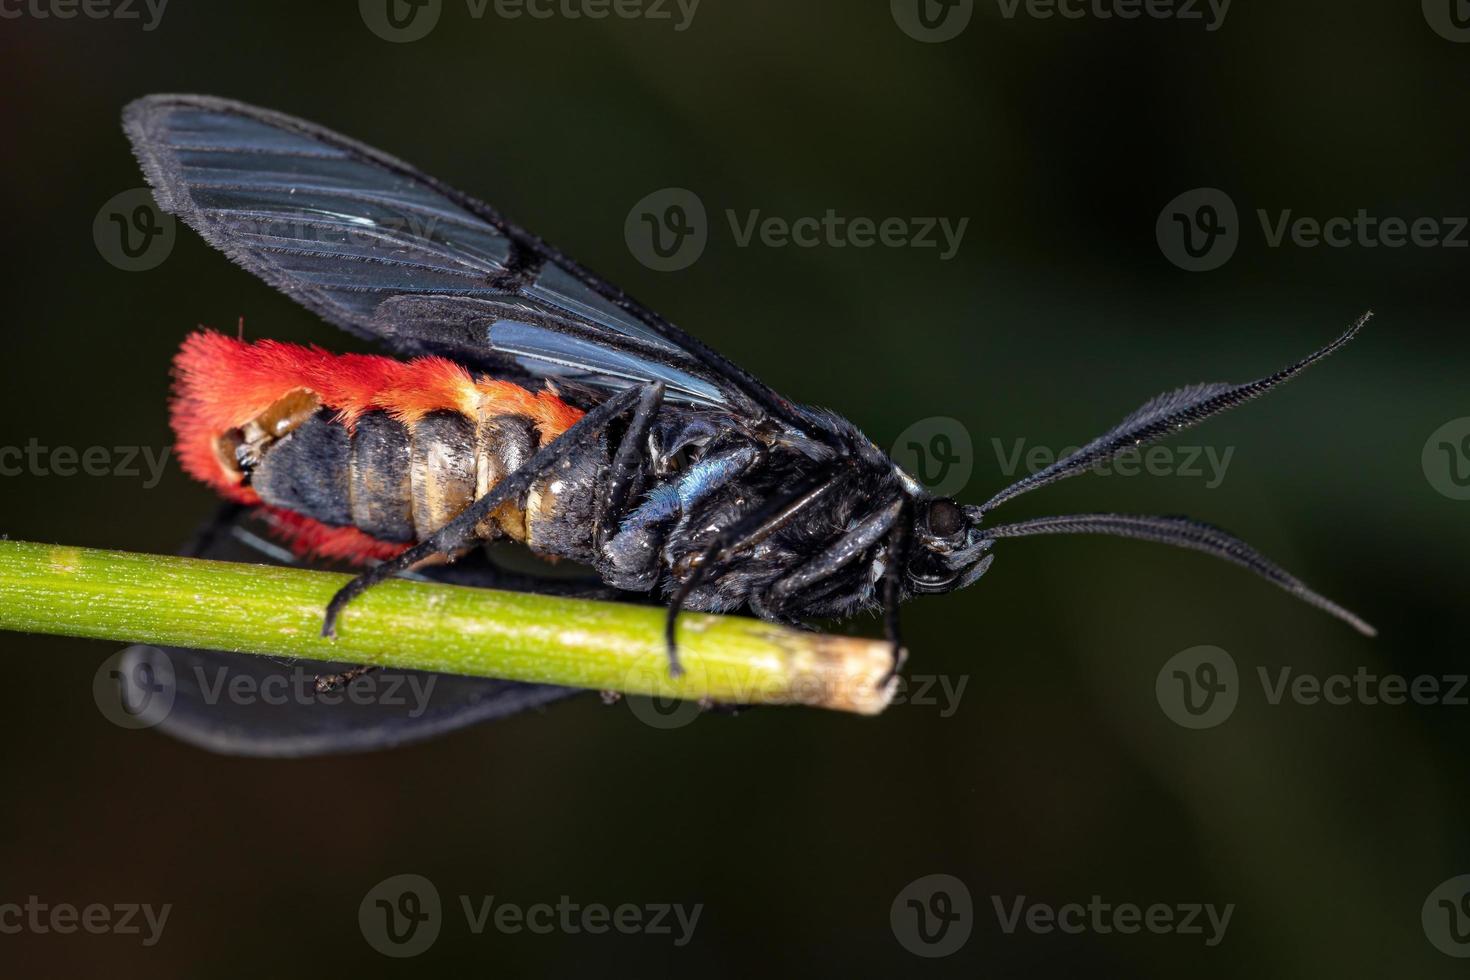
[387, 450]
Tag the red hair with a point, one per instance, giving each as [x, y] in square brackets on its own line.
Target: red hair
[221, 383]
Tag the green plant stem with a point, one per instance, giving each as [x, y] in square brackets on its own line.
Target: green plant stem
[270, 610]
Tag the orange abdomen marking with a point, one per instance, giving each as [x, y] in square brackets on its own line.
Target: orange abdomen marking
[230, 394]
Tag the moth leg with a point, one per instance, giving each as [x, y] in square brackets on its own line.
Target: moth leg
[625, 476]
[331, 682]
[676, 603]
[892, 595]
[884, 523]
[460, 532]
[745, 533]
[836, 556]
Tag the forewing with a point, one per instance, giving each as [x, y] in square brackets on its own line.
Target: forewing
[384, 251]
[239, 704]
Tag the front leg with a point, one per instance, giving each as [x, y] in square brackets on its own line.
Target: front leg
[887, 524]
[695, 568]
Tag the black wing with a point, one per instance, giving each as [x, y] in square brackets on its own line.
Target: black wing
[237, 704]
[384, 251]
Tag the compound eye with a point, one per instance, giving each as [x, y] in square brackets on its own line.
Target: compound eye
[945, 519]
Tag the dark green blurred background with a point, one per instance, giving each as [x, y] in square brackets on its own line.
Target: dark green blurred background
[1057, 776]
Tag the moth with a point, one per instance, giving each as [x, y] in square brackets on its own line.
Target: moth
[523, 398]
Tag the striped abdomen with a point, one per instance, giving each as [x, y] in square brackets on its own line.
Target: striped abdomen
[395, 481]
[366, 454]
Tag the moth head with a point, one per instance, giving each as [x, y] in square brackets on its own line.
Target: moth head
[948, 550]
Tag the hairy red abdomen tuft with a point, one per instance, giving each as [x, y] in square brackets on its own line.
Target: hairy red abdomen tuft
[222, 383]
